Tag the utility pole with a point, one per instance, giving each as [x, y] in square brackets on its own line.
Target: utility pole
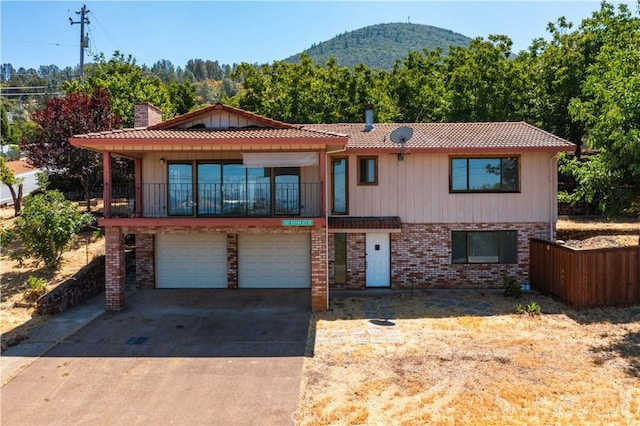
[84, 38]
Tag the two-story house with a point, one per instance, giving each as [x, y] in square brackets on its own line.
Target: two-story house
[224, 198]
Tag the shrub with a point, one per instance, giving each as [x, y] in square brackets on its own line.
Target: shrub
[35, 288]
[532, 309]
[511, 287]
[45, 228]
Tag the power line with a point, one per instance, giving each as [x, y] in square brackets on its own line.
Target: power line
[35, 42]
[11, 95]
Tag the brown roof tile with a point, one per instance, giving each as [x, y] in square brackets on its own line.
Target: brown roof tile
[358, 222]
[451, 136]
[229, 133]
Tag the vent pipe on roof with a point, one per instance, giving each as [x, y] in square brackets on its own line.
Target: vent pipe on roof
[368, 118]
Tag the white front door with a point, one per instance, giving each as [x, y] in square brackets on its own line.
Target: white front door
[378, 260]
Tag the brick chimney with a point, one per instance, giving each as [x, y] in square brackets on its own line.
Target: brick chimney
[146, 114]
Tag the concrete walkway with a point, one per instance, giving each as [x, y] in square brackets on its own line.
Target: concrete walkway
[15, 358]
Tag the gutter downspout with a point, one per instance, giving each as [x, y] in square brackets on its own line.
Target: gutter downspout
[553, 201]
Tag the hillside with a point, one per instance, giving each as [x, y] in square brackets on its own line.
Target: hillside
[379, 46]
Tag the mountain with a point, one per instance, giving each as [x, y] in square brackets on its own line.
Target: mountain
[379, 46]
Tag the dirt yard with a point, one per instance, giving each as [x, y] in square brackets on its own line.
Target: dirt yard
[17, 321]
[465, 357]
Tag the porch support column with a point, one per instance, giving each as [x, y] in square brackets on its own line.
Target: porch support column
[319, 270]
[232, 261]
[138, 178]
[114, 269]
[106, 172]
[145, 265]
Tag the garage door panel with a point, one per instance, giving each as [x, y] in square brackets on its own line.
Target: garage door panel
[191, 261]
[274, 261]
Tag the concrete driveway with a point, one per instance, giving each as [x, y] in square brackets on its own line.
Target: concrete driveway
[174, 357]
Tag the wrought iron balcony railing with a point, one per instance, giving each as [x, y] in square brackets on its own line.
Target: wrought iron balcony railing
[218, 200]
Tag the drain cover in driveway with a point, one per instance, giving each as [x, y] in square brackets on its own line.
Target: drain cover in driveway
[136, 340]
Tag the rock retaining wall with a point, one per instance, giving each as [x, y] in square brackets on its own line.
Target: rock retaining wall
[75, 290]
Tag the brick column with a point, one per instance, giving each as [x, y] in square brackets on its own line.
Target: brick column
[319, 270]
[145, 254]
[232, 261]
[114, 269]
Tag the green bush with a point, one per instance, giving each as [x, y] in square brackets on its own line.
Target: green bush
[45, 228]
[511, 287]
[35, 288]
[532, 309]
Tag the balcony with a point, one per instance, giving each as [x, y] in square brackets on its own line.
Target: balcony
[229, 200]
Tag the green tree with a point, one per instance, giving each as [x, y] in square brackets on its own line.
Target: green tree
[6, 132]
[126, 84]
[555, 71]
[610, 110]
[14, 184]
[418, 87]
[45, 228]
[483, 83]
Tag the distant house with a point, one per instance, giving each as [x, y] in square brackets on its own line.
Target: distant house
[224, 198]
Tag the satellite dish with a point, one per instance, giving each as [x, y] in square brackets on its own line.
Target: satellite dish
[400, 136]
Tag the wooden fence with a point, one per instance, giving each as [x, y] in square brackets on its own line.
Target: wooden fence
[586, 278]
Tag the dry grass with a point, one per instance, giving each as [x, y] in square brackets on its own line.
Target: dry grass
[583, 224]
[463, 357]
[16, 322]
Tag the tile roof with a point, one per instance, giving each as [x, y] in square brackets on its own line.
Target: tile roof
[225, 133]
[451, 136]
[368, 222]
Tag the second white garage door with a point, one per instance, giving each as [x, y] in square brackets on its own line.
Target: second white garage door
[274, 261]
[191, 261]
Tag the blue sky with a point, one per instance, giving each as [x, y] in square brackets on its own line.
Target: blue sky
[39, 33]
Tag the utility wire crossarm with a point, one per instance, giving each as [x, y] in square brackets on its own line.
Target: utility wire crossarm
[84, 39]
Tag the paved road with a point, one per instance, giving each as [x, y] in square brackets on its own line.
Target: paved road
[174, 357]
[28, 185]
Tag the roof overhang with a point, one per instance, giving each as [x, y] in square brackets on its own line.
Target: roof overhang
[458, 150]
[218, 144]
[351, 224]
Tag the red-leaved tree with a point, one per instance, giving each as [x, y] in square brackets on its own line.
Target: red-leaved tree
[48, 146]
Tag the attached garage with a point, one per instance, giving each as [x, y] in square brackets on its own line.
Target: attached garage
[274, 261]
[191, 260]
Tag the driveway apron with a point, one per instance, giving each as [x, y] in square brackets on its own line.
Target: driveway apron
[174, 357]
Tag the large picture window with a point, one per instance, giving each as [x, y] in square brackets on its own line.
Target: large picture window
[499, 174]
[230, 189]
[484, 247]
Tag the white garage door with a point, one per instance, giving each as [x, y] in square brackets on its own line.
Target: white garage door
[191, 261]
[274, 261]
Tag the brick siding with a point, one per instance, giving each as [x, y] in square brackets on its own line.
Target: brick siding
[114, 269]
[145, 262]
[421, 257]
[145, 242]
[232, 261]
[319, 287]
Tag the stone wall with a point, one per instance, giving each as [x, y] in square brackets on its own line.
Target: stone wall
[86, 283]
